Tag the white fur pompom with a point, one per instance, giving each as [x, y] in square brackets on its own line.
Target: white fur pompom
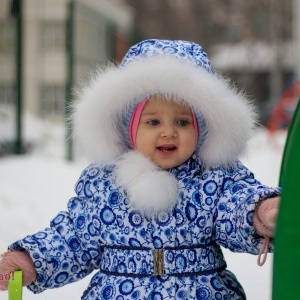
[150, 189]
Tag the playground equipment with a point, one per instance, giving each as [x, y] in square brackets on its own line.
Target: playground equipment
[15, 286]
[287, 236]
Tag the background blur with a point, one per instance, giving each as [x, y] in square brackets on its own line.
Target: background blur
[48, 48]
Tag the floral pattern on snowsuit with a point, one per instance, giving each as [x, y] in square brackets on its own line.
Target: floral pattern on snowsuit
[102, 231]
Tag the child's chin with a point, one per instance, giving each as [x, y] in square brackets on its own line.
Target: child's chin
[167, 165]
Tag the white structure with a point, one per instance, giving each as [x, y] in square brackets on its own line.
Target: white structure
[44, 47]
[265, 69]
[252, 56]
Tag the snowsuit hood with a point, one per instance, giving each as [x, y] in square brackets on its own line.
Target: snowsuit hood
[178, 70]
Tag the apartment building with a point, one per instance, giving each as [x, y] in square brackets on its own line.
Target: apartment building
[60, 39]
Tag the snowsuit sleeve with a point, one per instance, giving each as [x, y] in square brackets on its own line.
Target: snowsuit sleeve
[69, 249]
[239, 194]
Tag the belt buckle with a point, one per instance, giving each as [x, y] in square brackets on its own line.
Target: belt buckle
[158, 262]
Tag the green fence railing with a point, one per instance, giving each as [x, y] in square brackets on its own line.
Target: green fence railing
[11, 79]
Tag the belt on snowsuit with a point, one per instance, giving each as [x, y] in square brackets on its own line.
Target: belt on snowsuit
[178, 261]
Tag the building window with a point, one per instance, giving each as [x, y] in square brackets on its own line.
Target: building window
[7, 118]
[52, 36]
[7, 36]
[52, 100]
[7, 93]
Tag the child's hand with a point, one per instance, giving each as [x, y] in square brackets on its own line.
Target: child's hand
[264, 218]
[17, 260]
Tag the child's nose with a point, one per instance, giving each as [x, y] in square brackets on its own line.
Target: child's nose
[169, 131]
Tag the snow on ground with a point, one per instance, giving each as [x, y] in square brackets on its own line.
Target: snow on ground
[36, 186]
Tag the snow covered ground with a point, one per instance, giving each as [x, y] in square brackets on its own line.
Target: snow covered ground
[36, 186]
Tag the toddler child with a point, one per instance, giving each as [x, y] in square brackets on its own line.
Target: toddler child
[166, 189]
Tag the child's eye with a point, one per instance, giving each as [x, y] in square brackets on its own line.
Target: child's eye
[183, 122]
[153, 122]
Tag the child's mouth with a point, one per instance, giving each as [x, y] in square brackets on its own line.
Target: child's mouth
[167, 148]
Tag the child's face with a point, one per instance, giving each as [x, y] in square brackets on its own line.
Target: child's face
[166, 133]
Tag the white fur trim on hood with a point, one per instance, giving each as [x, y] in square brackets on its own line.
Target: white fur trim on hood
[98, 114]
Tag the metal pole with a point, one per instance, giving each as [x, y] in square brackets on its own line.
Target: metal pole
[111, 41]
[17, 12]
[70, 77]
[296, 36]
[276, 80]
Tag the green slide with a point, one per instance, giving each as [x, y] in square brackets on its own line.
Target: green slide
[286, 277]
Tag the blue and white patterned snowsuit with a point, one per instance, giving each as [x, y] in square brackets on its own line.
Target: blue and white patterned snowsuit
[100, 230]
